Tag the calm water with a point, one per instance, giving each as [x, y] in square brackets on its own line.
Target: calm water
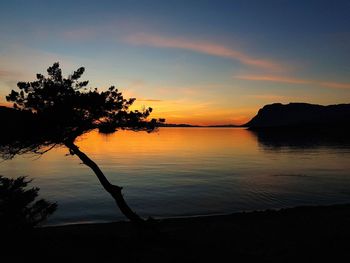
[190, 171]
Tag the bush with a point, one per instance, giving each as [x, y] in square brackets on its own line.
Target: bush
[19, 209]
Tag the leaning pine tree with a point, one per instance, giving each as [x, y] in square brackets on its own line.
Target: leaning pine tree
[63, 109]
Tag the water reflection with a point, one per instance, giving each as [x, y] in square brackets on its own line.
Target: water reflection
[191, 171]
[302, 139]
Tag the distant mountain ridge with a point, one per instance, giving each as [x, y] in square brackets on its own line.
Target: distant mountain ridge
[301, 115]
[184, 125]
[274, 115]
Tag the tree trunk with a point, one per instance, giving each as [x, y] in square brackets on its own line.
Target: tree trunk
[114, 190]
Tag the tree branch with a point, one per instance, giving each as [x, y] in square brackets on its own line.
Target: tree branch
[114, 190]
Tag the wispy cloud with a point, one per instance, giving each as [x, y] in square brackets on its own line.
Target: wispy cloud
[268, 97]
[149, 100]
[203, 47]
[335, 85]
[8, 74]
[298, 81]
[3, 73]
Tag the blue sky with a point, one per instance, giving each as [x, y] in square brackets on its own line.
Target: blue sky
[200, 62]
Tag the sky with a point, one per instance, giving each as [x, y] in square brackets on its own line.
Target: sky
[199, 62]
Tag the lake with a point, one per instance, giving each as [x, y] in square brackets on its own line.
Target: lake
[176, 172]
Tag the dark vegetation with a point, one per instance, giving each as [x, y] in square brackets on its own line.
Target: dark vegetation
[53, 111]
[20, 208]
[15, 122]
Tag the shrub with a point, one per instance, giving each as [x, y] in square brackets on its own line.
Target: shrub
[19, 207]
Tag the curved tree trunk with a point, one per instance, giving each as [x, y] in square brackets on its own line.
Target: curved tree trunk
[114, 190]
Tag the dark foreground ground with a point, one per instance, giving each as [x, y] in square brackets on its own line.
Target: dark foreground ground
[304, 234]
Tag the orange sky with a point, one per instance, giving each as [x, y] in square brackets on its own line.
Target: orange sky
[206, 64]
[196, 113]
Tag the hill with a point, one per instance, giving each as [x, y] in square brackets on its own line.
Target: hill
[301, 115]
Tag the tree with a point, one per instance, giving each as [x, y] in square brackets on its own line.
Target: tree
[62, 109]
[19, 209]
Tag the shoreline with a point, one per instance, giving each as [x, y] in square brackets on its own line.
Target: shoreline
[304, 209]
[202, 216]
[306, 233]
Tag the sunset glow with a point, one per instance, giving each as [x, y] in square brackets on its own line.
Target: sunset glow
[218, 66]
[175, 130]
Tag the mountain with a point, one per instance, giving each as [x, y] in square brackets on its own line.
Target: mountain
[298, 115]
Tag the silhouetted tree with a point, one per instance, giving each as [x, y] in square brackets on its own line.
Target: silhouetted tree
[19, 209]
[63, 109]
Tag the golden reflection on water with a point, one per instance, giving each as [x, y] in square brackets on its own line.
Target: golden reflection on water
[189, 171]
[168, 140]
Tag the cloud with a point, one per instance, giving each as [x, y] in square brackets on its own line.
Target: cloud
[268, 97]
[298, 81]
[3, 73]
[335, 85]
[149, 100]
[203, 47]
[8, 74]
